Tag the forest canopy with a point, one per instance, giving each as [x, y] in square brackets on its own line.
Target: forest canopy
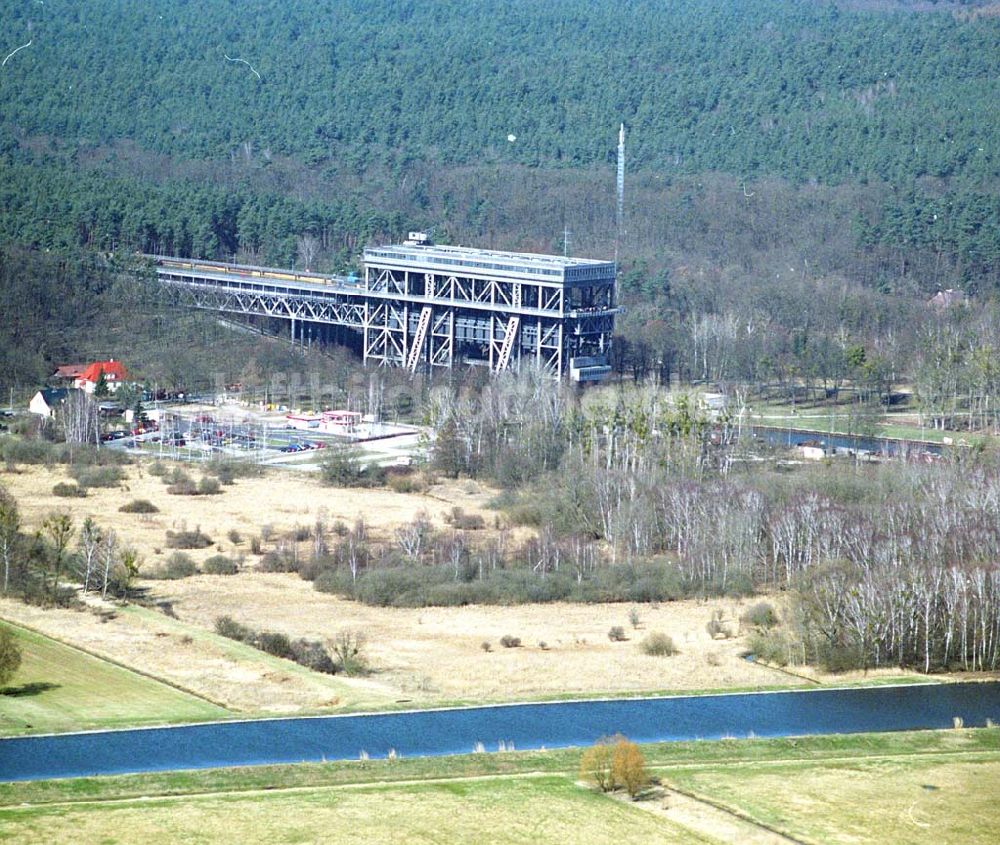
[799, 88]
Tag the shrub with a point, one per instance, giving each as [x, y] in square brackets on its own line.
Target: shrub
[234, 537]
[139, 506]
[176, 476]
[526, 513]
[175, 567]
[157, 469]
[486, 646]
[219, 565]
[300, 533]
[658, 644]
[255, 545]
[69, 491]
[18, 451]
[628, 767]
[718, 627]
[188, 539]
[224, 473]
[279, 561]
[341, 466]
[348, 648]
[617, 634]
[507, 641]
[181, 484]
[274, 643]
[775, 647]
[633, 617]
[209, 486]
[312, 655]
[595, 765]
[760, 615]
[228, 471]
[226, 626]
[408, 483]
[186, 487]
[458, 518]
[101, 476]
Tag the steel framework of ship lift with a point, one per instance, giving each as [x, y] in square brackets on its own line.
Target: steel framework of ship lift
[436, 306]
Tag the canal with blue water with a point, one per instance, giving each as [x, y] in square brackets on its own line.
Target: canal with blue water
[521, 726]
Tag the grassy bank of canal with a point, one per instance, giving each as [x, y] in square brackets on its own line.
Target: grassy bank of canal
[862, 788]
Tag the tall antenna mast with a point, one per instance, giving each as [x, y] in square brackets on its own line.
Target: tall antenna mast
[621, 189]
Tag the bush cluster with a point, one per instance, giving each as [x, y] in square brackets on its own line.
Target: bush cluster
[98, 476]
[615, 763]
[178, 565]
[188, 539]
[33, 450]
[228, 471]
[281, 560]
[458, 518]
[776, 647]
[658, 644]
[759, 615]
[395, 584]
[220, 565]
[407, 482]
[139, 506]
[179, 483]
[308, 653]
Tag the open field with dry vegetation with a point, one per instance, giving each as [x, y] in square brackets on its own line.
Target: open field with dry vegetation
[277, 502]
[419, 656]
[437, 653]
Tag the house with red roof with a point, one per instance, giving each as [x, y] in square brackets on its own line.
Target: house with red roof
[114, 373]
[68, 372]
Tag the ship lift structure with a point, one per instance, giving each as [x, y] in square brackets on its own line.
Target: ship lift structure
[425, 306]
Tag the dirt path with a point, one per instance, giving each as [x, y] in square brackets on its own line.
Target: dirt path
[707, 820]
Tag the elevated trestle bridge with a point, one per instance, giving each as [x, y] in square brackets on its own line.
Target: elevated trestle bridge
[420, 305]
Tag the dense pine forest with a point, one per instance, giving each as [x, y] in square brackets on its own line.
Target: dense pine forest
[803, 175]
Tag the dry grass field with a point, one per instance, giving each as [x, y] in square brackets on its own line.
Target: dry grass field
[418, 656]
[281, 500]
[436, 653]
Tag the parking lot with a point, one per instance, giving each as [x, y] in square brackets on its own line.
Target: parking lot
[201, 434]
